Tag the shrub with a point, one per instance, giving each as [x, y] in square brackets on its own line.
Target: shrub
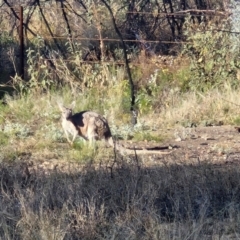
[213, 53]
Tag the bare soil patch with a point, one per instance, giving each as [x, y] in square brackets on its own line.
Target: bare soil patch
[216, 144]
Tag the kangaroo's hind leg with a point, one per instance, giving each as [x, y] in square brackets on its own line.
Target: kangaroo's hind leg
[92, 135]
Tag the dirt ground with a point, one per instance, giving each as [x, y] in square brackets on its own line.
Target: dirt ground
[218, 144]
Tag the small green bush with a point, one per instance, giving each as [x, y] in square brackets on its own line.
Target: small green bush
[147, 136]
[213, 55]
[152, 94]
[3, 138]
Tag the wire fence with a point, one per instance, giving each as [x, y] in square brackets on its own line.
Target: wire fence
[58, 26]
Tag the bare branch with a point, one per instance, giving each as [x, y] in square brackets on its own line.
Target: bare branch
[134, 116]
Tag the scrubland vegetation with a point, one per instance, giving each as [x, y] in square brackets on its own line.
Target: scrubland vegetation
[50, 190]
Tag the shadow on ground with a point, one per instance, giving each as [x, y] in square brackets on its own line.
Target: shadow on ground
[122, 200]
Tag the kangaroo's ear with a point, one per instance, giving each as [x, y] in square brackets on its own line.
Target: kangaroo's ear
[73, 104]
[60, 105]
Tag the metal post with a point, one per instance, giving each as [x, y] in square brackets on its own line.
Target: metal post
[21, 44]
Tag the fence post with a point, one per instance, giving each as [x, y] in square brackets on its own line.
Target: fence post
[21, 44]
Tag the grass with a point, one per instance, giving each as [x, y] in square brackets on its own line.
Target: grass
[128, 202]
[194, 107]
[147, 136]
[51, 190]
[35, 118]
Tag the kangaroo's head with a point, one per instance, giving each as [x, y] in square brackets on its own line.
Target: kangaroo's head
[66, 112]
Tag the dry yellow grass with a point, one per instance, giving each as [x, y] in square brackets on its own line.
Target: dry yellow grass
[128, 201]
[194, 107]
[50, 190]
